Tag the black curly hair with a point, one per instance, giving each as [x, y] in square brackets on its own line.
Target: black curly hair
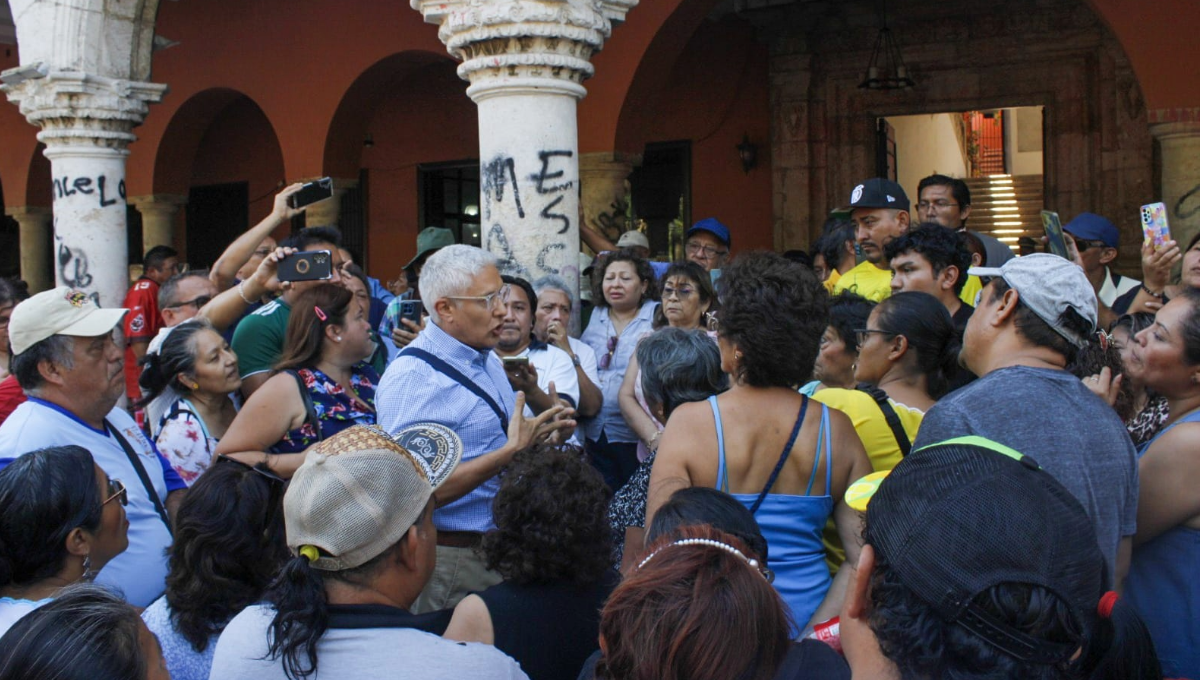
[551, 520]
[940, 246]
[775, 310]
[640, 264]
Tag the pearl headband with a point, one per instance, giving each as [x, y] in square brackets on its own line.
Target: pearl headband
[712, 544]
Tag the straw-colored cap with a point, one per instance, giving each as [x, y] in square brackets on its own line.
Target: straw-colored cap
[62, 311]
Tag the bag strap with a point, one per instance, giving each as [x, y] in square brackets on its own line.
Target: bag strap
[889, 414]
[787, 450]
[141, 473]
[457, 376]
[310, 411]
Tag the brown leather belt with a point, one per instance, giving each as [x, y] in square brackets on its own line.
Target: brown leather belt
[459, 539]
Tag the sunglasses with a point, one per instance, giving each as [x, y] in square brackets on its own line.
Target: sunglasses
[117, 492]
[198, 302]
[606, 360]
[1082, 245]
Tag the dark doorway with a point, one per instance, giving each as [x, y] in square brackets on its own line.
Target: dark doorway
[662, 193]
[10, 247]
[216, 215]
[449, 198]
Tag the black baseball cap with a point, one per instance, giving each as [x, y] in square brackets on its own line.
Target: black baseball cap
[879, 193]
[957, 518]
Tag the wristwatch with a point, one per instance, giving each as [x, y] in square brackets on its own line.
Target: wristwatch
[575, 360]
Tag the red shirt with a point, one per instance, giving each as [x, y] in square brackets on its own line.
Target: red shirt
[11, 396]
[142, 323]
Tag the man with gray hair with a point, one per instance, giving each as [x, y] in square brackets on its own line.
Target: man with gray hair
[551, 319]
[449, 375]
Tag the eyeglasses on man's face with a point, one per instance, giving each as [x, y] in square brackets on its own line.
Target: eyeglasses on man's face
[938, 205]
[492, 301]
[694, 248]
[198, 302]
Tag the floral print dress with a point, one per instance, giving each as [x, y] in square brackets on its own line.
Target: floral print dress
[335, 409]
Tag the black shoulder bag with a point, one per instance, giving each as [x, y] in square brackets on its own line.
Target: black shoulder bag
[142, 475]
[889, 414]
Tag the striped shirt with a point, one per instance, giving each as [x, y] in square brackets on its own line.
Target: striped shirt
[412, 391]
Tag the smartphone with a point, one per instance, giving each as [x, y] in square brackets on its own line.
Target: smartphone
[516, 361]
[1054, 234]
[1154, 224]
[316, 265]
[311, 193]
[411, 310]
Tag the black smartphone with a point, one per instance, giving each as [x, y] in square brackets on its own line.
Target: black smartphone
[411, 310]
[312, 192]
[316, 265]
[516, 361]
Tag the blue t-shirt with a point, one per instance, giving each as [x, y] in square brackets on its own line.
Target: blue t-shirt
[141, 571]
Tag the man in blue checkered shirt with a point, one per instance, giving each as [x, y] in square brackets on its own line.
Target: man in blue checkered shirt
[450, 375]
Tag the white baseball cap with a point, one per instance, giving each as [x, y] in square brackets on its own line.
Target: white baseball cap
[633, 239]
[62, 311]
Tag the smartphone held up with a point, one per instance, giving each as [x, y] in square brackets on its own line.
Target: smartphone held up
[311, 192]
[316, 265]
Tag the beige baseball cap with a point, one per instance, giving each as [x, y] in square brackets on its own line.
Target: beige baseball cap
[359, 491]
[62, 311]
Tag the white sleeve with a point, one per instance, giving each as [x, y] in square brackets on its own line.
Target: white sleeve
[559, 369]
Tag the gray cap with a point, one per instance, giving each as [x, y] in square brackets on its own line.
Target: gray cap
[1049, 285]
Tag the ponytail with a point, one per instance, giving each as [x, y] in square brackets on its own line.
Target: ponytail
[927, 325]
[1121, 648]
[301, 617]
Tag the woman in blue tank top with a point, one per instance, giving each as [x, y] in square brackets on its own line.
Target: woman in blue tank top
[1164, 576]
[785, 458]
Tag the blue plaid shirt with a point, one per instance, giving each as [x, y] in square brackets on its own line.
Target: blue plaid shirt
[412, 391]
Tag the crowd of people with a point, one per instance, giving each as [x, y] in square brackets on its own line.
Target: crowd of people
[905, 454]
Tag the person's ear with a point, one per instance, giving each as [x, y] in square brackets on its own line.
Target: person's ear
[1007, 308]
[333, 332]
[858, 590]
[410, 548]
[51, 372]
[444, 309]
[964, 211]
[899, 348]
[1108, 255]
[903, 218]
[948, 277]
[187, 380]
[79, 543]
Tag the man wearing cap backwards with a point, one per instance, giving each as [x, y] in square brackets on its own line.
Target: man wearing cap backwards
[1033, 315]
[880, 213]
[1096, 239]
[67, 361]
[359, 524]
[979, 564]
[450, 375]
[394, 330]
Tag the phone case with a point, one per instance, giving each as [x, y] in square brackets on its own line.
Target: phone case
[411, 310]
[1054, 234]
[1154, 224]
[311, 193]
[314, 265]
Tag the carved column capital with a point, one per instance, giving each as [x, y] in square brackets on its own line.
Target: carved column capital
[524, 45]
[79, 109]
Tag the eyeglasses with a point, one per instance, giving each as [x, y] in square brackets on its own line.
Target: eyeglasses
[863, 334]
[606, 360]
[116, 491]
[680, 293]
[693, 248]
[936, 205]
[1082, 245]
[198, 302]
[492, 301]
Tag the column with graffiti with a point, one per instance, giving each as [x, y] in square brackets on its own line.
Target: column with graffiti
[526, 61]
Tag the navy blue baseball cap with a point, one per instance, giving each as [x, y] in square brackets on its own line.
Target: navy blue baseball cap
[714, 227]
[1092, 227]
[878, 192]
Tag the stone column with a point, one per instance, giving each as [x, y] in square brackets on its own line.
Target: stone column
[37, 269]
[526, 60]
[604, 192]
[86, 123]
[326, 213]
[1180, 144]
[158, 218]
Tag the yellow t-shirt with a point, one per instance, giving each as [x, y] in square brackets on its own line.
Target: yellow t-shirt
[972, 287]
[868, 281]
[834, 277]
[877, 438]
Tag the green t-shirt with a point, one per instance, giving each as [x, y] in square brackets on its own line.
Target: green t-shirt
[258, 340]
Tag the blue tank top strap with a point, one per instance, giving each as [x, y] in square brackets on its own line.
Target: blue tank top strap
[787, 450]
[722, 483]
[1193, 417]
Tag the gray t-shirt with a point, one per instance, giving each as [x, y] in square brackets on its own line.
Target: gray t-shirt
[359, 653]
[1050, 416]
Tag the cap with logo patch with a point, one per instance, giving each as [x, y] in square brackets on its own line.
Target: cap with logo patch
[61, 311]
[879, 193]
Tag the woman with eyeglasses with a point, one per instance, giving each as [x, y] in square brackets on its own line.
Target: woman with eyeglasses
[624, 292]
[189, 379]
[837, 354]
[62, 520]
[687, 297]
[229, 544]
[320, 386]
[787, 459]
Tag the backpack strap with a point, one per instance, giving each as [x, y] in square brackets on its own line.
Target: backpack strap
[889, 414]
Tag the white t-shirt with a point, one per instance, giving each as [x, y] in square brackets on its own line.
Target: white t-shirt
[342, 653]
[12, 610]
[587, 359]
[555, 365]
[141, 571]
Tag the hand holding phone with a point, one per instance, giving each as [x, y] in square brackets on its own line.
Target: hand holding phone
[1154, 224]
[1054, 234]
[411, 310]
[312, 192]
[315, 265]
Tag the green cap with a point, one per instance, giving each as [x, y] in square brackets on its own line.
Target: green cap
[429, 240]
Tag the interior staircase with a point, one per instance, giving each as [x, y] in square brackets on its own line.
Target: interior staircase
[1007, 207]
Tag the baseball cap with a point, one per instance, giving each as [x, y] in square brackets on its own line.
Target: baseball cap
[1092, 227]
[879, 193]
[714, 227]
[633, 239]
[61, 311]
[962, 516]
[1049, 285]
[429, 240]
[360, 490]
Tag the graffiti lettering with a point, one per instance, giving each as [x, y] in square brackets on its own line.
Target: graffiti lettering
[612, 223]
[1189, 203]
[566, 221]
[496, 173]
[73, 267]
[545, 174]
[65, 187]
[541, 258]
[497, 244]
